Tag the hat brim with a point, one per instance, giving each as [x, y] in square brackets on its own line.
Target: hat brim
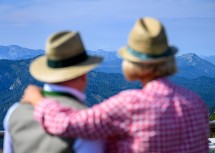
[123, 52]
[40, 70]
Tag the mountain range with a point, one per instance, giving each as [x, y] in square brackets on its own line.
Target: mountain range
[190, 65]
[14, 52]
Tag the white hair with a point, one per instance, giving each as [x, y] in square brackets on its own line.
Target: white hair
[138, 71]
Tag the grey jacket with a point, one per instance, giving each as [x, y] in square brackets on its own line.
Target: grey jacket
[29, 137]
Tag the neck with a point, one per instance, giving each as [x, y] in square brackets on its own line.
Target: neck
[76, 86]
[67, 89]
[147, 79]
[77, 83]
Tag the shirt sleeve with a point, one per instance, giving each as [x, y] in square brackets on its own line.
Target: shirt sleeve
[8, 145]
[110, 117]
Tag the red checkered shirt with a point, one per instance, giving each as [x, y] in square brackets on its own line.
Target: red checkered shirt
[160, 118]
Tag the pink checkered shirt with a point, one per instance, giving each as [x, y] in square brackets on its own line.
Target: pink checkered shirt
[160, 118]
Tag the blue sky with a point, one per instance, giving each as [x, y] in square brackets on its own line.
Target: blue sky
[105, 24]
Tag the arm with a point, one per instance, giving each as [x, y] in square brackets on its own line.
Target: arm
[8, 145]
[111, 117]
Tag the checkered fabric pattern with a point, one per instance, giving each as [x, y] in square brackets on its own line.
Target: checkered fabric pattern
[160, 118]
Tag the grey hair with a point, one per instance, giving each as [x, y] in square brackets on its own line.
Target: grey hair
[137, 71]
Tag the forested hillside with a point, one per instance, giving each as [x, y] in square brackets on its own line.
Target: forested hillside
[15, 76]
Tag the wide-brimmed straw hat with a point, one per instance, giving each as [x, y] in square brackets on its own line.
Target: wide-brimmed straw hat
[65, 59]
[147, 43]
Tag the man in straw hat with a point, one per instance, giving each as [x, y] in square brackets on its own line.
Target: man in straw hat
[161, 117]
[63, 69]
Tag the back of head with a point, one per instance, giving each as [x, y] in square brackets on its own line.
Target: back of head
[148, 51]
[140, 71]
[148, 37]
[65, 59]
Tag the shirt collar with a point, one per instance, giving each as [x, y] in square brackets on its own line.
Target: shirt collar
[160, 86]
[59, 88]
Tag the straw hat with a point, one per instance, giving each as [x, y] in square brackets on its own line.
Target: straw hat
[65, 59]
[147, 43]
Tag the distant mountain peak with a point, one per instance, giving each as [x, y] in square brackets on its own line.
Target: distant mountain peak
[16, 46]
[190, 63]
[15, 52]
[192, 58]
[11, 47]
[190, 55]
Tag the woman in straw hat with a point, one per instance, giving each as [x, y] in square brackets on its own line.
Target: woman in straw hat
[161, 117]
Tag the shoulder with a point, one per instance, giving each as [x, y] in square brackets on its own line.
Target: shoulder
[12, 109]
[19, 112]
[129, 93]
[9, 112]
[186, 92]
[189, 96]
[125, 97]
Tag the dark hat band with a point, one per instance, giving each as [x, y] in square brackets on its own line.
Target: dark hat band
[144, 56]
[68, 62]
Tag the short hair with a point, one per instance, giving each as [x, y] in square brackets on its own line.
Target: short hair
[137, 70]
